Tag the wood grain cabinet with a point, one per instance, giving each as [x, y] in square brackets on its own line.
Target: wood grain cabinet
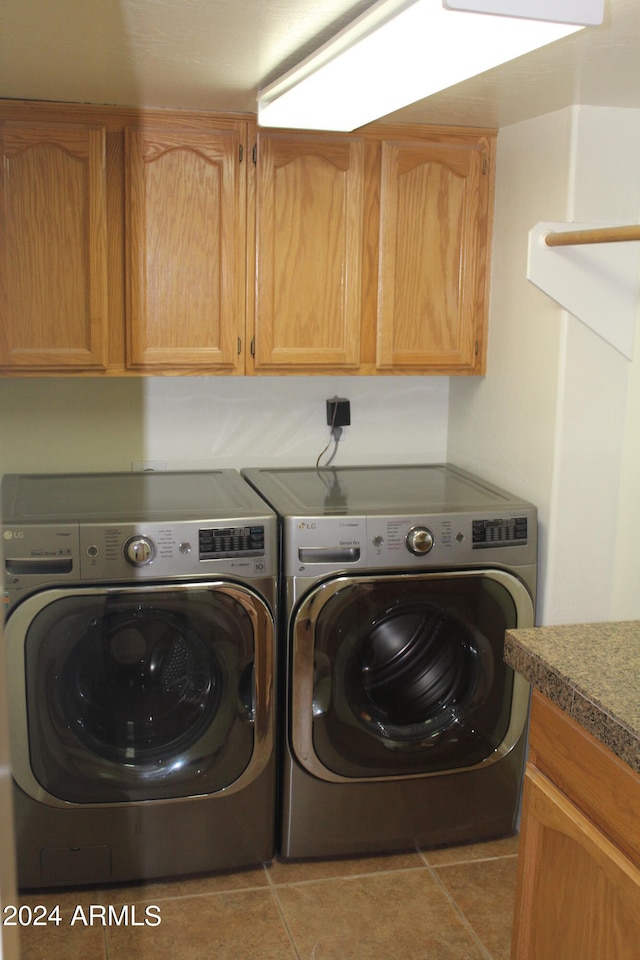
[433, 255]
[309, 252]
[159, 242]
[53, 247]
[578, 892]
[185, 216]
[372, 250]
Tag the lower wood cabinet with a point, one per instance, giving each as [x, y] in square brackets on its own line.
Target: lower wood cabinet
[578, 892]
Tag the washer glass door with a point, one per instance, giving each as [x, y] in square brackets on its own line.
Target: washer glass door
[408, 673]
[137, 694]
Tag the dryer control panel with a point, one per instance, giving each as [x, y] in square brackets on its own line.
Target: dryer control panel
[499, 532]
[450, 540]
[321, 546]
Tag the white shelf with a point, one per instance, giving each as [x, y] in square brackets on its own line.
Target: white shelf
[599, 283]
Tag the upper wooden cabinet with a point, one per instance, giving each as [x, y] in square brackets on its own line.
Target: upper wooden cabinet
[372, 250]
[53, 259]
[161, 242]
[186, 247]
[309, 252]
[434, 200]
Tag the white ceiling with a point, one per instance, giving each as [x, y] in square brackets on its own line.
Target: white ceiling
[215, 54]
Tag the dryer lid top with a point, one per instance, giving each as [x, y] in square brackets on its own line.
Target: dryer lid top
[359, 491]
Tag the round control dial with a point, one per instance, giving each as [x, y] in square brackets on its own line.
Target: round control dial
[139, 550]
[419, 541]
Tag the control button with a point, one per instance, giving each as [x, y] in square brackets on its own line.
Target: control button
[185, 547]
[378, 541]
[139, 551]
[92, 551]
[459, 537]
[419, 541]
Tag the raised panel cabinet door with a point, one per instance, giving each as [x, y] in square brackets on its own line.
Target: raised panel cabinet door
[309, 240]
[433, 257]
[185, 226]
[53, 259]
[578, 895]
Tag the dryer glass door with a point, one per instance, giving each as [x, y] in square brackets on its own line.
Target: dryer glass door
[142, 693]
[408, 675]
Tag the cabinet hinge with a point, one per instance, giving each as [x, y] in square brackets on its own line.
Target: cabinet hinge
[255, 154]
[239, 346]
[253, 346]
[241, 151]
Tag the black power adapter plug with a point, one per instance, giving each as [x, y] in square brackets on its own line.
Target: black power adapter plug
[338, 412]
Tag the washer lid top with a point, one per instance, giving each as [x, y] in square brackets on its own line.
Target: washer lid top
[370, 490]
[128, 497]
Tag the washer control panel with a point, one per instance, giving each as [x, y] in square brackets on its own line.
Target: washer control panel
[181, 549]
[216, 542]
[115, 552]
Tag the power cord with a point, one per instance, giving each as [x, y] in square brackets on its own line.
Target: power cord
[336, 433]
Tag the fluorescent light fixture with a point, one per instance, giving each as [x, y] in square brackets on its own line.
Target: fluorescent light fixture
[400, 51]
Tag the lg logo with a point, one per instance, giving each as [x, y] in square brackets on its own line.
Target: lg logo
[13, 535]
[303, 525]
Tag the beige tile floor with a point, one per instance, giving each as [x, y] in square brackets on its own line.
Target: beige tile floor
[447, 904]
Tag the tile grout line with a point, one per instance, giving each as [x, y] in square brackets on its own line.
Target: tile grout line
[166, 898]
[274, 894]
[107, 945]
[345, 877]
[459, 912]
[463, 861]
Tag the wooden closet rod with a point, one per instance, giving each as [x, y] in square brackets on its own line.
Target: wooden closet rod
[597, 235]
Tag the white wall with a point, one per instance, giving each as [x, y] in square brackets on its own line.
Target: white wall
[558, 402]
[594, 426]
[503, 426]
[608, 186]
[201, 422]
[625, 603]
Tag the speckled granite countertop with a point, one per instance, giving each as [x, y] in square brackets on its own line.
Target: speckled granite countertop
[592, 672]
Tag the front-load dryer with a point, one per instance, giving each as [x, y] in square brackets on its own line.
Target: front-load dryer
[140, 643]
[403, 726]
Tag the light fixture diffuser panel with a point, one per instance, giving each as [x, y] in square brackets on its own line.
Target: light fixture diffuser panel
[585, 12]
[402, 51]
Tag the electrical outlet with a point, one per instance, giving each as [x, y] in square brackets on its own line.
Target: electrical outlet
[338, 412]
